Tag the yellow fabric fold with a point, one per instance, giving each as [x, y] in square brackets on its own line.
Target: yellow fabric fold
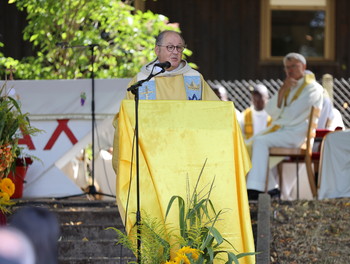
[176, 138]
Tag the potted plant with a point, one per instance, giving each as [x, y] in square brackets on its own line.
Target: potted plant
[13, 125]
[197, 241]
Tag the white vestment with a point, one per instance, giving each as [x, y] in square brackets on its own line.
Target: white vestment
[292, 119]
[330, 117]
[326, 115]
[337, 120]
[334, 173]
[238, 116]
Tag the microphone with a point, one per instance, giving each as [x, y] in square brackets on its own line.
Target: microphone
[163, 65]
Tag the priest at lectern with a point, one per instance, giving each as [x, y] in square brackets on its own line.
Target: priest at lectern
[179, 81]
[182, 125]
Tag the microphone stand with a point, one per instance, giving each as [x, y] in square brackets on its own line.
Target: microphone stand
[134, 89]
[91, 189]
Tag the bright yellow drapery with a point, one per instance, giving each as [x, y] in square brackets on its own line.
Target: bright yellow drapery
[175, 138]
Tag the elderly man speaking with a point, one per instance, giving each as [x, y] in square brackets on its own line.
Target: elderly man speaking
[289, 108]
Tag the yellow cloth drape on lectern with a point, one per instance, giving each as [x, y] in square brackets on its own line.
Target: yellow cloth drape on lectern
[175, 139]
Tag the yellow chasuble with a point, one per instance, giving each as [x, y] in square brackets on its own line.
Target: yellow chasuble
[176, 137]
[173, 87]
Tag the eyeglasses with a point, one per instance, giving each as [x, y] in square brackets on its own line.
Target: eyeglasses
[171, 48]
[293, 66]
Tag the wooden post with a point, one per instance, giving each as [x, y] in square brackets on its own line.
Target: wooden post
[327, 83]
[263, 242]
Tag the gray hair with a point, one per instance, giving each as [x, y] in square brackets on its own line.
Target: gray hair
[161, 35]
[295, 56]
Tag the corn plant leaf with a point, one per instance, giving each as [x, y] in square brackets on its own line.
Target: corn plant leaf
[216, 234]
[182, 221]
[207, 241]
[241, 255]
[231, 257]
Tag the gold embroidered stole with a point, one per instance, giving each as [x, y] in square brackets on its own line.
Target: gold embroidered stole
[248, 123]
[309, 78]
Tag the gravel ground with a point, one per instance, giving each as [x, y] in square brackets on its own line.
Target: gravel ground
[310, 231]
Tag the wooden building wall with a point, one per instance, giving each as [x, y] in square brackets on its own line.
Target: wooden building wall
[12, 23]
[224, 36]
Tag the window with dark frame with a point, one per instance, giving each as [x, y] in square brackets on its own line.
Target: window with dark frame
[297, 26]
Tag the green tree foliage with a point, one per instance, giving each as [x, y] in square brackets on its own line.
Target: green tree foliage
[124, 39]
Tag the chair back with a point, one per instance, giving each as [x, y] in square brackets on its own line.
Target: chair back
[310, 137]
[311, 131]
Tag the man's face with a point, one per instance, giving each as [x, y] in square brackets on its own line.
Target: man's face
[170, 40]
[294, 69]
[259, 101]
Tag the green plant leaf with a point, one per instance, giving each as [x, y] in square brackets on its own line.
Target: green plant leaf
[125, 37]
[211, 254]
[216, 234]
[207, 242]
[241, 255]
[197, 221]
[232, 257]
[182, 221]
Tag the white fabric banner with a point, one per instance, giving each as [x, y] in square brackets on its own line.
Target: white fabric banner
[63, 110]
[334, 172]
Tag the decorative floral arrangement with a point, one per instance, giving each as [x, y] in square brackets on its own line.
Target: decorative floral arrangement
[199, 241]
[7, 189]
[13, 125]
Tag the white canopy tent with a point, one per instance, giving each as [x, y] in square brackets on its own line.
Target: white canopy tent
[62, 109]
